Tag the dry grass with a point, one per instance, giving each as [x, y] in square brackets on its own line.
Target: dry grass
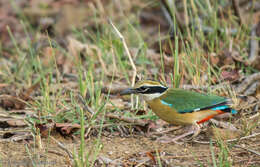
[63, 66]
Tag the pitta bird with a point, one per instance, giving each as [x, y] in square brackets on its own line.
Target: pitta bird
[180, 107]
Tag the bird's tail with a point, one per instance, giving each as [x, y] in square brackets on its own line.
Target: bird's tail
[222, 107]
[225, 107]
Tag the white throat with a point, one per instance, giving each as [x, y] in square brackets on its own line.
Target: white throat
[149, 97]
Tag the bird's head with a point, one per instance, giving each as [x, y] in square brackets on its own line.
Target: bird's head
[148, 89]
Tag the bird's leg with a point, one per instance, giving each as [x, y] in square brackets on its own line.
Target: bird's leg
[195, 130]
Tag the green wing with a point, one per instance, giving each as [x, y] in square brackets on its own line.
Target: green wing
[187, 101]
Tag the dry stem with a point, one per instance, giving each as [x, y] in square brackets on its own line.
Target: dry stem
[129, 56]
[247, 82]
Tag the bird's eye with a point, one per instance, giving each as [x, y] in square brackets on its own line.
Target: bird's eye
[143, 88]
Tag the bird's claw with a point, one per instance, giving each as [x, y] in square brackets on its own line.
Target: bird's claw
[166, 140]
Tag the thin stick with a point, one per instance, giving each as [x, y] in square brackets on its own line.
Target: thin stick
[126, 119]
[172, 11]
[253, 116]
[236, 139]
[237, 11]
[60, 145]
[245, 137]
[129, 57]
[247, 149]
[254, 47]
[165, 131]
[86, 107]
[247, 82]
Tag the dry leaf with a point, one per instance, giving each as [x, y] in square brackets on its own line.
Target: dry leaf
[150, 155]
[16, 123]
[45, 129]
[230, 75]
[66, 128]
[12, 102]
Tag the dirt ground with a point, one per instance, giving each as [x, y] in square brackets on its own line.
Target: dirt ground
[130, 151]
[60, 57]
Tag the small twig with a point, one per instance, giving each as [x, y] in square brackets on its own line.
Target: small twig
[165, 131]
[55, 152]
[247, 149]
[14, 130]
[105, 160]
[254, 47]
[143, 162]
[60, 145]
[17, 137]
[251, 89]
[85, 105]
[254, 116]
[245, 137]
[126, 119]
[168, 17]
[166, 7]
[70, 76]
[236, 139]
[129, 56]
[237, 11]
[113, 89]
[247, 82]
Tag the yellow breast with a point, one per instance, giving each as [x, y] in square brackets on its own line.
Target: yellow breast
[170, 115]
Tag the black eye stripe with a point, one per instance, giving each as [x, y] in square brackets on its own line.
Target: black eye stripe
[151, 89]
[142, 89]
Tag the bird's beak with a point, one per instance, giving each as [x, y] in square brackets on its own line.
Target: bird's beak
[128, 91]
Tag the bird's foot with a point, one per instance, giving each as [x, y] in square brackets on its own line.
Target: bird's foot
[195, 130]
[166, 139]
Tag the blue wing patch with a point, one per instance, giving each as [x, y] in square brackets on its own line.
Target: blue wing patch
[223, 108]
[165, 103]
[233, 111]
[220, 108]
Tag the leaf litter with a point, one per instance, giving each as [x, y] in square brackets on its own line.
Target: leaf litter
[129, 137]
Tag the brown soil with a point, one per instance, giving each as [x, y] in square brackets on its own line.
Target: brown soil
[131, 151]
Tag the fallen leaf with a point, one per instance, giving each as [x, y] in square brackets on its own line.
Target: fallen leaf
[150, 155]
[214, 59]
[45, 129]
[139, 112]
[16, 123]
[11, 102]
[66, 128]
[230, 75]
